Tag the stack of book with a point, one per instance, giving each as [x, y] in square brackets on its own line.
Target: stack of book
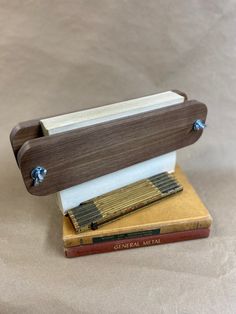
[179, 217]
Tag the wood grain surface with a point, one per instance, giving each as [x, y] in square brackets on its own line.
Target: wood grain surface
[80, 155]
[31, 129]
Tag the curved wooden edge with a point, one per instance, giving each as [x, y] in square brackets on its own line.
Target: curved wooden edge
[180, 93]
[59, 150]
[23, 132]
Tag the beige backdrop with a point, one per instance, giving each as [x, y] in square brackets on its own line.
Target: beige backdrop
[58, 56]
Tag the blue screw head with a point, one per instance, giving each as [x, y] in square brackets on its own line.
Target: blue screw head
[199, 125]
[38, 174]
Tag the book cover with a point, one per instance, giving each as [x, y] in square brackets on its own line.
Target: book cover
[118, 245]
[181, 212]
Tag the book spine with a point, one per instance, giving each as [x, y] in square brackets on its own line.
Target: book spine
[177, 227]
[118, 245]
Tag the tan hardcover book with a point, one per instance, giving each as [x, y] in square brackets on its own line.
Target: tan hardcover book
[180, 212]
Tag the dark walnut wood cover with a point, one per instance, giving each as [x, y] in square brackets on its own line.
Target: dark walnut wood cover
[23, 132]
[31, 129]
[77, 156]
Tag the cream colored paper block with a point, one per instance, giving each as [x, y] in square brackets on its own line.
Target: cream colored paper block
[115, 111]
